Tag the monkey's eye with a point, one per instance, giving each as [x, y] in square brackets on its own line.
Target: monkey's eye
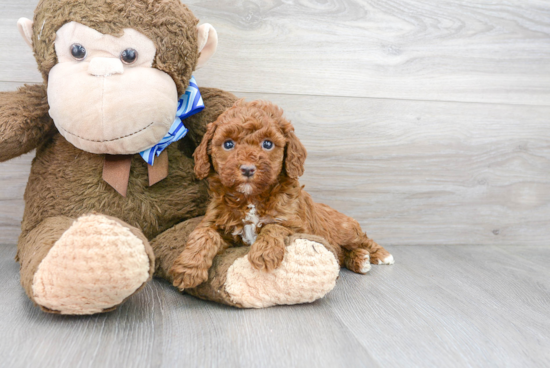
[128, 56]
[78, 51]
[267, 145]
[228, 145]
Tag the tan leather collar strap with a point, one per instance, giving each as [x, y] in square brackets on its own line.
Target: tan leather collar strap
[116, 171]
[159, 170]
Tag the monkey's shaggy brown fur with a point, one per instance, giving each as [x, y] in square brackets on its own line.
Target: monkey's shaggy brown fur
[282, 207]
[26, 120]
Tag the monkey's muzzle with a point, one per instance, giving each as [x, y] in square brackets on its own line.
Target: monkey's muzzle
[103, 108]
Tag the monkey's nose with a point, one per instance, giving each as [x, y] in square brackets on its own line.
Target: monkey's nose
[104, 67]
[248, 170]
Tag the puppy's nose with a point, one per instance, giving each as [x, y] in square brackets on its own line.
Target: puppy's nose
[248, 170]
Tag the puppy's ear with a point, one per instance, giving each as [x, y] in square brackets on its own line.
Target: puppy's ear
[202, 158]
[295, 156]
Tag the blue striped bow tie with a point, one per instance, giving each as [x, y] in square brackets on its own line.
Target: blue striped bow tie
[189, 104]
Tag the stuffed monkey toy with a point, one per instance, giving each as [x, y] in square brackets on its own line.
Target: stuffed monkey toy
[112, 195]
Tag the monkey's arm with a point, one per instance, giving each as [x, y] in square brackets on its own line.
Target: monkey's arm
[216, 101]
[24, 120]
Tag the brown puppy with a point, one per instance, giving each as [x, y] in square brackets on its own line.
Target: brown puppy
[257, 199]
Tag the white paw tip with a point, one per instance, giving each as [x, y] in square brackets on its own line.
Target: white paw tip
[366, 268]
[366, 264]
[387, 261]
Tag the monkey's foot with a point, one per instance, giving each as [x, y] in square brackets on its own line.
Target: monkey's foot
[308, 272]
[94, 266]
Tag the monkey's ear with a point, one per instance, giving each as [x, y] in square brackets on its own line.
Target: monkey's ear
[25, 28]
[208, 42]
[202, 158]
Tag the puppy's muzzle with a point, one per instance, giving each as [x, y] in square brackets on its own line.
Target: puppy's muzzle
[248, 170]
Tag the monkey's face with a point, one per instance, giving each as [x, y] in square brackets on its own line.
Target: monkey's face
[104, 95]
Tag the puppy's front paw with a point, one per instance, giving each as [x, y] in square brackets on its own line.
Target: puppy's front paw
[267, 253]
[185, 277]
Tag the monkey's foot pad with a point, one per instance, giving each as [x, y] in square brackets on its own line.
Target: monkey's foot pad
[308, 272]
[93, 267]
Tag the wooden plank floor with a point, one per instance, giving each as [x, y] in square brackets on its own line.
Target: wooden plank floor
[438, 306]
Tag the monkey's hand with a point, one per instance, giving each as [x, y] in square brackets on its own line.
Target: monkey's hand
[24, 120]
[191, 267]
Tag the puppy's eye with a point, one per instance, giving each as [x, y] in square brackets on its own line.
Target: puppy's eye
[78, 51]
[228, 145]
[128, 56]
[267, 145]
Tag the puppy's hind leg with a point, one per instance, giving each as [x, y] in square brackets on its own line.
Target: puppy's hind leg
[378, 255]
[359, 250]
[357, 244]
[368, 251]
[357, 260]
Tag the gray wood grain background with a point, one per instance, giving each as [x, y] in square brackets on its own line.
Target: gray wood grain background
[426, 121]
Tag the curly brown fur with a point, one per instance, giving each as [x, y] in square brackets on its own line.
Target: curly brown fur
[216, 101]
[191, 267]
[281, 205]
[169, 24]
[268, 250]
[168, 247]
